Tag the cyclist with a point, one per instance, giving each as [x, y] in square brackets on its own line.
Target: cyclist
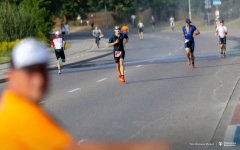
[221, 32]
[189, 32]
[59, 44]
[116, 40]
[97, 33]
[172, 24]
[140, 29]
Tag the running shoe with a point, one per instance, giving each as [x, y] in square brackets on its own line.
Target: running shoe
[59, 72]
[221, 51]
[188, 62]
[122, 79]
[193, 66]
[60, 61]
[224, 56]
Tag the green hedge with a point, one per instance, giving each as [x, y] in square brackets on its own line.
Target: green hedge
[26, 19]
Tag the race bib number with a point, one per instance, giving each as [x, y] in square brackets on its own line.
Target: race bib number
[186, 41]
[118, 53]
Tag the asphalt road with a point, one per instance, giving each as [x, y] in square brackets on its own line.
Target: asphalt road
[162, 98]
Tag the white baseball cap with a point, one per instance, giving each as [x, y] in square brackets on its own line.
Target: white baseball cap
[29, 52]
[57, 33]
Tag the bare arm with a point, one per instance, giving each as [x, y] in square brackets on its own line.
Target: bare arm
[197, 33]
[226, 32]
[64, 44]
[216, 32]
[112, 44]
[183, 34]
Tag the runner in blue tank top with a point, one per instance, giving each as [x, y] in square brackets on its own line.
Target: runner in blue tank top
[189, 32]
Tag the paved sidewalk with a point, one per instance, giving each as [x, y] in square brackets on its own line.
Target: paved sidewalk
[80, 51]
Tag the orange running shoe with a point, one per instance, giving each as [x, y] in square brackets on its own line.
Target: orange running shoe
[122, 79]
[188, 62]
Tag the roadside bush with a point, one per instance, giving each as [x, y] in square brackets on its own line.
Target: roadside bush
[6, 47]
[29, 18]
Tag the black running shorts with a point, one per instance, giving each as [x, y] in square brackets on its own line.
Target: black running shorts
[120, 57]
[60, 54]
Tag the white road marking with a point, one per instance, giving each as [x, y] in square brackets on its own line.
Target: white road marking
[102, 80]
[74, 90]
[81, 141]
[78, 56]
[230, 133]
[42, 102]
[138, 66]
[106, 44]
[176, 50]
[169, 53]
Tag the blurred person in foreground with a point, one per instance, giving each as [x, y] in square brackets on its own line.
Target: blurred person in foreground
[23, 123]
[189, 32]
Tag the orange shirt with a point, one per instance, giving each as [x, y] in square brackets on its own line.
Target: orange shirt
[25, 126]
[125, 29]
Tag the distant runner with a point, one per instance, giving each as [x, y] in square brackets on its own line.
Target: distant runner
[67, 30]
[153, 23]
[217, 22]
[221, 32]
[59, 44]
[63, 30]
[172, 24]
[116, 40]
[188, 34]
[133, 20]
[140, 29]
[125, 30]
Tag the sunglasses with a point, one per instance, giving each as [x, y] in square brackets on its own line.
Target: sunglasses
[117, 29]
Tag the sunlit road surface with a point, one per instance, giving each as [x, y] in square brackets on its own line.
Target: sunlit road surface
[163, 98]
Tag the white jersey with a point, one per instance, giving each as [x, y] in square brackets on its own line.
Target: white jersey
[133, 17]
[172, 20]
[66, 26]
[57, 43]
[221, 31]
[140, 25]
[63, 29]
[97, 33]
